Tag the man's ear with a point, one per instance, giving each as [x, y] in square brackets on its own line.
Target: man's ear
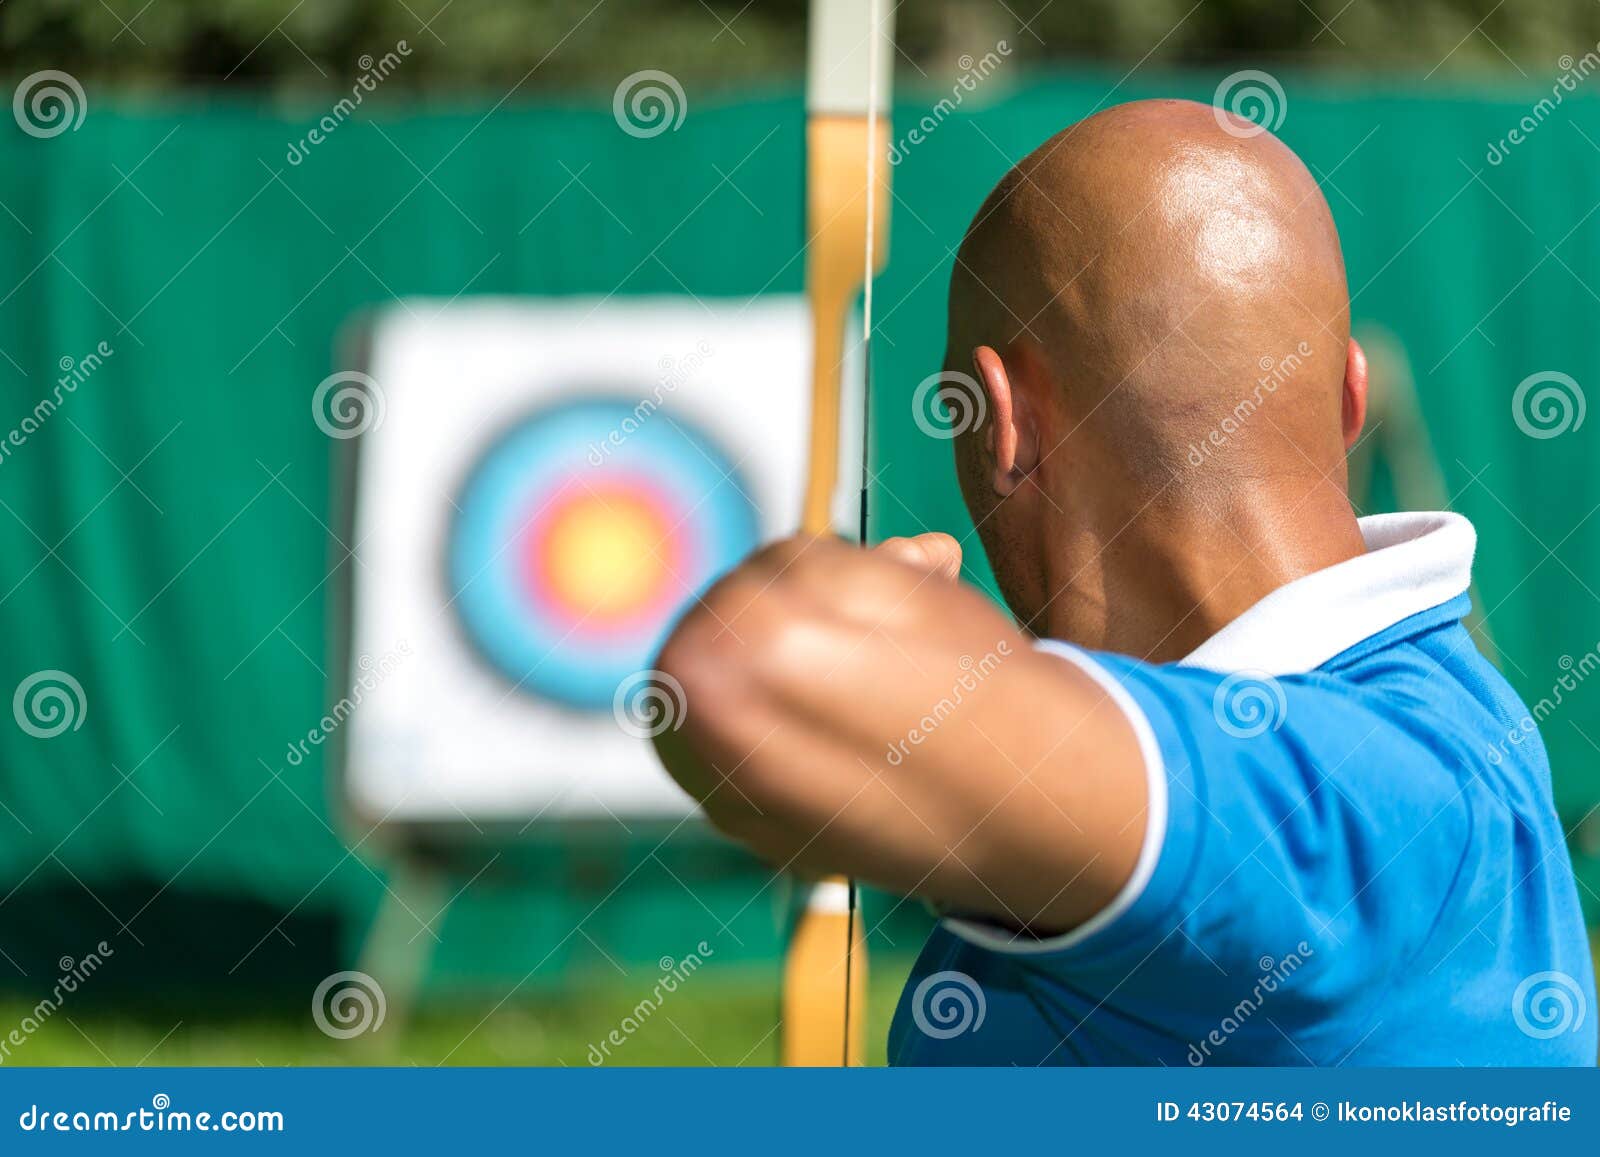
[1353, 407]
[1011, 439]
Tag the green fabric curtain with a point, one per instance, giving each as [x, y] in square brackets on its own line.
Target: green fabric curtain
[165, 528]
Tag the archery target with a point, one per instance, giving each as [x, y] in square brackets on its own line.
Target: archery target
[546, 485]
[568, 564]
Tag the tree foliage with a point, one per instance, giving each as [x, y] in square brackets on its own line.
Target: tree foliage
[564, 45]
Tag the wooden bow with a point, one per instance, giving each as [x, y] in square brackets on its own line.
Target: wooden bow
[847, 216]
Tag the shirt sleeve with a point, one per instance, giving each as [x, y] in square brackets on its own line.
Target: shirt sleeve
[1292, 819]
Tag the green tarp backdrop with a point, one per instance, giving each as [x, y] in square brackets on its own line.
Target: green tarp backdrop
[165, 531]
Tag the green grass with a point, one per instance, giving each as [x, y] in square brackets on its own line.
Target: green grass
[720, 1016]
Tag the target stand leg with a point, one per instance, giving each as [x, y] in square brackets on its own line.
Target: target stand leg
[399, 945]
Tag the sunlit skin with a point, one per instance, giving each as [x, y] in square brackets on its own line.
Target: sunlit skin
[1115, 299]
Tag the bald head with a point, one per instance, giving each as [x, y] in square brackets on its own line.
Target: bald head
[1161, 257]
[1155, 303]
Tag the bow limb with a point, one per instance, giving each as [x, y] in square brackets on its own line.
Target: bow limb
[847, 212]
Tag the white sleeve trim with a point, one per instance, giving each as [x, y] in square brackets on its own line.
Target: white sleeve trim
[1155, 827]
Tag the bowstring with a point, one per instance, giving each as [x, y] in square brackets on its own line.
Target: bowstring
[873, 32]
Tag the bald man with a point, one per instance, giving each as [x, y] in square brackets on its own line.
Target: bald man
[1232, 784]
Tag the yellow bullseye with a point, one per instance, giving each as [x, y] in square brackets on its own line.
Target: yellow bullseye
[602, 555]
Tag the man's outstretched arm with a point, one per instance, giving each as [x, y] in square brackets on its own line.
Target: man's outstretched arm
[852, 712]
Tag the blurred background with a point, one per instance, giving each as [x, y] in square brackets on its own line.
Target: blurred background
[301, 302]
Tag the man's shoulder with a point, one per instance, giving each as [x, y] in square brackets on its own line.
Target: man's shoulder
[1427, 696]
[1423, 725]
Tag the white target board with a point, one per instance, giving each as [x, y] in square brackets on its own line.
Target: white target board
[541, 487]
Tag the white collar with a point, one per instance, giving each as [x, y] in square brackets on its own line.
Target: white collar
[1413, 563]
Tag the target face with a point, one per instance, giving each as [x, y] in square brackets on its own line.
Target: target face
[582, 533]
[553, 482]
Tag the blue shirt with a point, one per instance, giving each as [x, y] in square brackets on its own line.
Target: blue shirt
[1351, 857]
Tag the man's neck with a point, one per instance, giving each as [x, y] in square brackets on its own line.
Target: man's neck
[1166, 581]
